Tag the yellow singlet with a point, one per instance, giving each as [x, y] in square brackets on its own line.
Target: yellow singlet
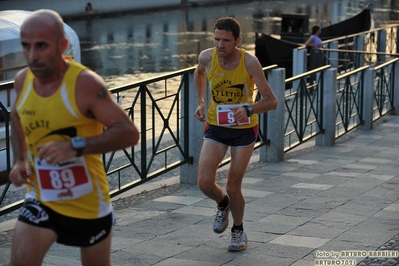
[78, 187]
[229, 87]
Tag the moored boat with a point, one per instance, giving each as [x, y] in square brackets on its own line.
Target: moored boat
[359, 23]
[11, 57]
[270, 50]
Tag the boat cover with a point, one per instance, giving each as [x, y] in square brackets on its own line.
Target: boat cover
[10, 23]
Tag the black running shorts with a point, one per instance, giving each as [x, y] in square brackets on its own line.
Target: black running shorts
[235, 138]
[70, 231]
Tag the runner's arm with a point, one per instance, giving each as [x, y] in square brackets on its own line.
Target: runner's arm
[204, 60]
[268, 101]
[21, 169]
[95, 101]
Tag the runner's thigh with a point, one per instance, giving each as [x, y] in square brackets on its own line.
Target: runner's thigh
[30, 244]
[98, 254]
[239, 162]
[212, 153]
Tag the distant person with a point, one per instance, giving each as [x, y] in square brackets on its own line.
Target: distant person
[89, 7]
[232, 121]
[63, 119]
[315, 45]
[314, 40]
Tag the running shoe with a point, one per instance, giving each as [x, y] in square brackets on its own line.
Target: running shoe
[239, 241]
[221, 220]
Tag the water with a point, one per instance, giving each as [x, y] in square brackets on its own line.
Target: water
[130, 47]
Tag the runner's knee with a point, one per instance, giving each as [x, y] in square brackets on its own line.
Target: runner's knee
[234, 191]
[204, 185]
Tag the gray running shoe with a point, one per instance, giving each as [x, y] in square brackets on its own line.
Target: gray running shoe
[239, 241]
[221, 220]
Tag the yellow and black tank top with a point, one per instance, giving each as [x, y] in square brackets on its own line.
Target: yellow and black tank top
[229, 87]
[78, 187]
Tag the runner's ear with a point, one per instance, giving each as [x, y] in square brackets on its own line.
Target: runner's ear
[238, 41]
[63, 45]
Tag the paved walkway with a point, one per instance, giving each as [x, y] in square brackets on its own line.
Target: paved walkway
[320, 204]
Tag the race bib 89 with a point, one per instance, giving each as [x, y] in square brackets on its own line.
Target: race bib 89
[65, 181]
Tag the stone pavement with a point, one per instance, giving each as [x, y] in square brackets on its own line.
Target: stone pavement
[322, 206]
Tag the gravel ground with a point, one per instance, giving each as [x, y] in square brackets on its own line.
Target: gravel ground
[391, 245]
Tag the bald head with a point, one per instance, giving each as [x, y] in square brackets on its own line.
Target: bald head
[43, 42]
[45, 18]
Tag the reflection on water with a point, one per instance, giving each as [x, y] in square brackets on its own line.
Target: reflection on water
[166, 41]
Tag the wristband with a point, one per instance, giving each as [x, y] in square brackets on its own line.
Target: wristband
[78, 143]
[249, 109]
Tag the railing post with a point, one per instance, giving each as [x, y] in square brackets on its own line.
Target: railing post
[382, 45]
[395, 69]
[274, 152]
[299, 64]
[299, 61]
[368, 98]
[359, 58]
[328, 112]
[397, 40]
[189, 172]
[332, 57]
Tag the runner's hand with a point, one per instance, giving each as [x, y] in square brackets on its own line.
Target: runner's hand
[239, 114]
[199, 113]
[55, 152]
[20, 173]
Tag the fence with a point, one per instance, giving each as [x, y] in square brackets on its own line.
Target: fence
[171, 138]
[346, 53]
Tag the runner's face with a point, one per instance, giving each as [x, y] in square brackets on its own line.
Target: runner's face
[41, 48]
[225, 43]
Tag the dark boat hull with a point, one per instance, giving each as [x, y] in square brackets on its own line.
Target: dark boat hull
[359, 23]
[270, 50]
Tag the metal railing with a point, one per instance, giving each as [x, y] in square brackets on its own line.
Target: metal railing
[303, 119]
[349, 52]
[158, 108]
[350, 100]
[155, 107]
[384, 88]
[370, 47]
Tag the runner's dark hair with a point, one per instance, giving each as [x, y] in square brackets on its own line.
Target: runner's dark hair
[228, 24]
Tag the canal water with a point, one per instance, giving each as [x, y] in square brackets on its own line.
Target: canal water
[130, 47]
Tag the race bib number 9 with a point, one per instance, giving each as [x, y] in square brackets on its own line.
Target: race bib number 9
[65, 181]
[225, 115]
